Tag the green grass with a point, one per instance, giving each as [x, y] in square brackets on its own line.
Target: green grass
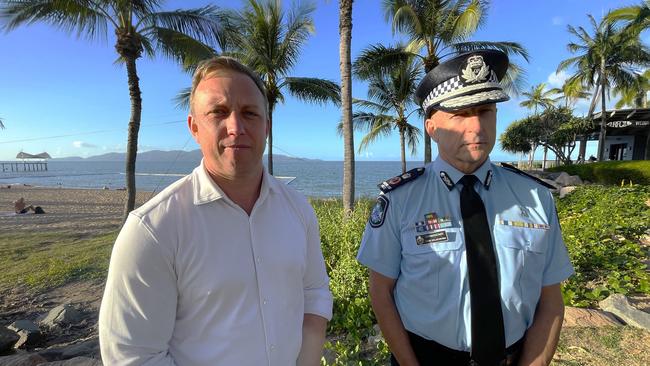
[610, 172]
[41, 261]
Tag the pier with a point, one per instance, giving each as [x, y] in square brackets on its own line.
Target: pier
[23, 166]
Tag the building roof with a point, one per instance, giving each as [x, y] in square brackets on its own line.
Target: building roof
[624, 121]
[24, 155]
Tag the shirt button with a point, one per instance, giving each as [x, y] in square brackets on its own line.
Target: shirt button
[264, 302]
[258, 259]
[272, 347]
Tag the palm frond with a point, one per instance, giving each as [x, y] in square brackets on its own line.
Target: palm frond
[379, 58]
[313, 90]
[182, 99]
[179, 46]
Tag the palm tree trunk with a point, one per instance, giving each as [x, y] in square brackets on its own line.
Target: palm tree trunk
[427, 145]
[402, 149]
[345, 64]
[544, 161]
[134, 129]
[592, 106]
[269, 150]
[603, 117]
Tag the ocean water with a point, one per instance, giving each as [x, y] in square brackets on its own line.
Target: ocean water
[312, 178]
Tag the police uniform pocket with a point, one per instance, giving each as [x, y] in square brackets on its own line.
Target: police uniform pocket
[431, 261]
[522, 258]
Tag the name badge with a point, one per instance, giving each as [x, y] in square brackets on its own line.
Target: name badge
[434, 237]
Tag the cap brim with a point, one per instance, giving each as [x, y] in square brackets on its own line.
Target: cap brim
[472, 100]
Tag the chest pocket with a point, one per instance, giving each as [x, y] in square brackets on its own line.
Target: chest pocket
[432, 268]
[522, 256]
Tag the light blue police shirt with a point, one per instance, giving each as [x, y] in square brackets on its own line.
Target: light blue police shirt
[420, 242]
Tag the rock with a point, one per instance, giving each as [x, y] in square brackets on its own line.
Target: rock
[7, 339]
[566, 190]
[377, 337]
[618, 305]
[29, 333]
[25, 359]
[552, 183]
[577, 317]
[61, 315]
[24, 325]
[77, 361]
[565, 179]
[88, 348]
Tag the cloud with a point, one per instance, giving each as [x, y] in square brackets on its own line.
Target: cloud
[556, 80]
[81, 144]
[557, 20]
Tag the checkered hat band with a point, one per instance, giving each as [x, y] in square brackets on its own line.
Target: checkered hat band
[496, 94]
[454, 86]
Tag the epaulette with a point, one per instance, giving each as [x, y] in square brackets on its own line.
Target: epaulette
[522, 173]
[399, 180]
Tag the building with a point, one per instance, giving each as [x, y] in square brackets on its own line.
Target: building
[627, 134]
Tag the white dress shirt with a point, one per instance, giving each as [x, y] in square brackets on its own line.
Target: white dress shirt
[194, 280]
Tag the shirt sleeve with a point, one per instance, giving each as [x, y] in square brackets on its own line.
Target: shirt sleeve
[381, 248]
[318, 298]
[558, 265]
[138, 310]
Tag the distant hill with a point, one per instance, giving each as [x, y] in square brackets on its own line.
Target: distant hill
[159, 155]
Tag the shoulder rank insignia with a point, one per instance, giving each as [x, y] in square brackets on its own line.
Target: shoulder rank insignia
[394, 182]
[522, 173]
[378, 213]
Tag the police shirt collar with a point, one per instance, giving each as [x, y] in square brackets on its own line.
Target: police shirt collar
[450, 175]
[206, 190]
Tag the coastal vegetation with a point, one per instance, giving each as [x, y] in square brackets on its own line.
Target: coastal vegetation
[605, 228]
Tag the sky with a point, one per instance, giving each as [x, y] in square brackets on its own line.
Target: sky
[66, 95]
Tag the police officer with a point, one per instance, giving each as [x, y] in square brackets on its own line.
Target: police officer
[466, 257]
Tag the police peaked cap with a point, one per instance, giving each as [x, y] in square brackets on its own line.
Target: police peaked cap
[467, 80]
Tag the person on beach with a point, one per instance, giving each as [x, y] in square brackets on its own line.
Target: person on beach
[224, 267]
[466, 257]
[20, 207]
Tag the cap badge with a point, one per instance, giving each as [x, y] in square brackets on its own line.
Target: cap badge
[475, 71]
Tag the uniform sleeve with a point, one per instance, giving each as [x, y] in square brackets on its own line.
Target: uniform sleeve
[381, 248]
[318, 298]
[558, 265]
[138, 310]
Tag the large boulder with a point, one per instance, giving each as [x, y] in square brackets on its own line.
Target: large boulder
[564, 191]
[577, 317]
[87, 348]
[618, 305]
[565, 179]
[24, 359]
[61, 315]
[7, 340]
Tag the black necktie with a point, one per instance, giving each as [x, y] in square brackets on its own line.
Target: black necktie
[488, 340]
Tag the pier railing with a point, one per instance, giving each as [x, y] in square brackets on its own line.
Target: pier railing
[23, 166]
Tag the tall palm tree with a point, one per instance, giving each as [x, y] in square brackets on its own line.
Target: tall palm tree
[140, 27]
[538, 97]
[390, 96]
[606, 58]
[634, 95]
[269, 40]
[345, 64]
[438, 27]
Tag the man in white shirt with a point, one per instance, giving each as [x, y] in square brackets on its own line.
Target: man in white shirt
[224, 267]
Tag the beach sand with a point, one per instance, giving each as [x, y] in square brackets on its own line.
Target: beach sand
[77, 210]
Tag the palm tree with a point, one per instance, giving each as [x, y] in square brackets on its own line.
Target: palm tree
[606, 58]
[345, 32]
[635, 95]
[390, 96]
[139, 27]
[538, 97]
[2, 126]
[439, 27]
[269, 40]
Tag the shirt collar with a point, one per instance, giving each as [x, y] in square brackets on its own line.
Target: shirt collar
[206, 190]
[450, 175]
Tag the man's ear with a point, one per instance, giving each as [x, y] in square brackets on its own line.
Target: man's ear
[192, 126]
[430, 127]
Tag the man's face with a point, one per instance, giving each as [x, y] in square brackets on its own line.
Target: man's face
[228, 120]
[465, 138]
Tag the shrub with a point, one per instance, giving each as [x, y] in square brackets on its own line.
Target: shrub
[610, 172]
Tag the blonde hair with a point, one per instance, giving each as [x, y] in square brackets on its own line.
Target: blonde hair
[209, 67]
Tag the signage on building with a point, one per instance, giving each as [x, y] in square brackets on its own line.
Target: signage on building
[622, 124]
